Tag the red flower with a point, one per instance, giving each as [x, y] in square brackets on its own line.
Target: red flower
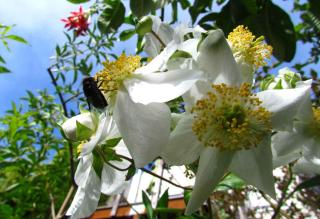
[78, 21]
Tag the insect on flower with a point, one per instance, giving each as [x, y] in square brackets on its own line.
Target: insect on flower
[93, 94]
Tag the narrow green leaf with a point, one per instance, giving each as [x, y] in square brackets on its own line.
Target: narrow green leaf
[164, 200]
[78, 1]
[127, 34]
[16, 38]
[4, 70]
[312, 182]
[131, 172]
[147, 204]
[2, 60]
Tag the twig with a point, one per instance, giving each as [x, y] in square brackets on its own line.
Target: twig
[274, 206]
[131, 206]
[209, 208]
[64, 106]
[164, 179]
[53, 212]
[158, 38]
[65, 202]
[283, 195]
[72, 97]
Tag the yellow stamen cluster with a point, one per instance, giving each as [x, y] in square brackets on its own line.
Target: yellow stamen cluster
[115, 72]
[316, 121]
[230, 118]
[79, 148]
[253, 50]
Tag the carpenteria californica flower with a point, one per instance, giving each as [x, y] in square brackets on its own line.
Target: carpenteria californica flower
[302, 143]
[97, 130]
[227, 125]
[138, 95]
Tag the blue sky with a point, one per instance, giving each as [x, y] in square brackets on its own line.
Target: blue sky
[38, 21]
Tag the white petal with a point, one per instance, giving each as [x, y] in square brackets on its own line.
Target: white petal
[285, 159]
[81, 175]
[197, 92]
[104, 126]
[69, 127]
[183, 147]
[284, 142]
[86, 199]
[145, 128]
[284, 105]
[212, 165]
[308, 166]
[255, 166]
[160, 87]
[159, 62]
[112, 180]
[216, 59]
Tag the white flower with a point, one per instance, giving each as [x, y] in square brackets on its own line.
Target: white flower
[138, 96]
[89, 184]
[228, 126]
[302, 142]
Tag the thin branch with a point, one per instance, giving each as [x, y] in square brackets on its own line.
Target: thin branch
[274, 206]
[64, 106]
[164, 179]
[65, 202]
[131, 206]
[72, 97]
[209, 208]
[53, 212]
[63, 103]
[158, 38]
[283, 196]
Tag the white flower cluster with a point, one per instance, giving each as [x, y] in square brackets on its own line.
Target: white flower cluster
[225, 126]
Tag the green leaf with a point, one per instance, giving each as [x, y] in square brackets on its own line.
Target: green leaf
[4, 70]
[2, 60]
[148, 206]
[230, 182]
[16, 38]
[78, 1]
[186, 196]
[112, 16]
[131, 172]
[127, 34]
[184, 4]
[97, 163]
[312, 182]
[112, 142]
[83, 132]
[141, 7]
[180, 54]
[164, 200]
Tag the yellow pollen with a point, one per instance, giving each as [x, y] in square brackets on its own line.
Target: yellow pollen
[79, 148]
[115, 72]
[253, 50]
[230, 118]
[316, 121]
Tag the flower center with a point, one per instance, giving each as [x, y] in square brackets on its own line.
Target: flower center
[246, 46]
[230, 118]
[115, 72]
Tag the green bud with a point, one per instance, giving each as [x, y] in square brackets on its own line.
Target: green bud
[144, 26]
[264, 85]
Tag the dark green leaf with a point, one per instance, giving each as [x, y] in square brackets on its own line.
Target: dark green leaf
[164, 200]
[97, 163]
[2, 60]
[184, 4]
[16, 38]
[78, 1]
[112, 16]
[131, 172]
[141, 7]
[230, 182]
[127, 34]
[4, 70]
[147, 204]
[186, 196]
[312, 182]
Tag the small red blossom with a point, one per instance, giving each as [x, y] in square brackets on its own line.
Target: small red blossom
[78, 21]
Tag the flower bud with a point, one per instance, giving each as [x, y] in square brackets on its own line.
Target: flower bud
[144, 26]
[79, 127]
[285, 79]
